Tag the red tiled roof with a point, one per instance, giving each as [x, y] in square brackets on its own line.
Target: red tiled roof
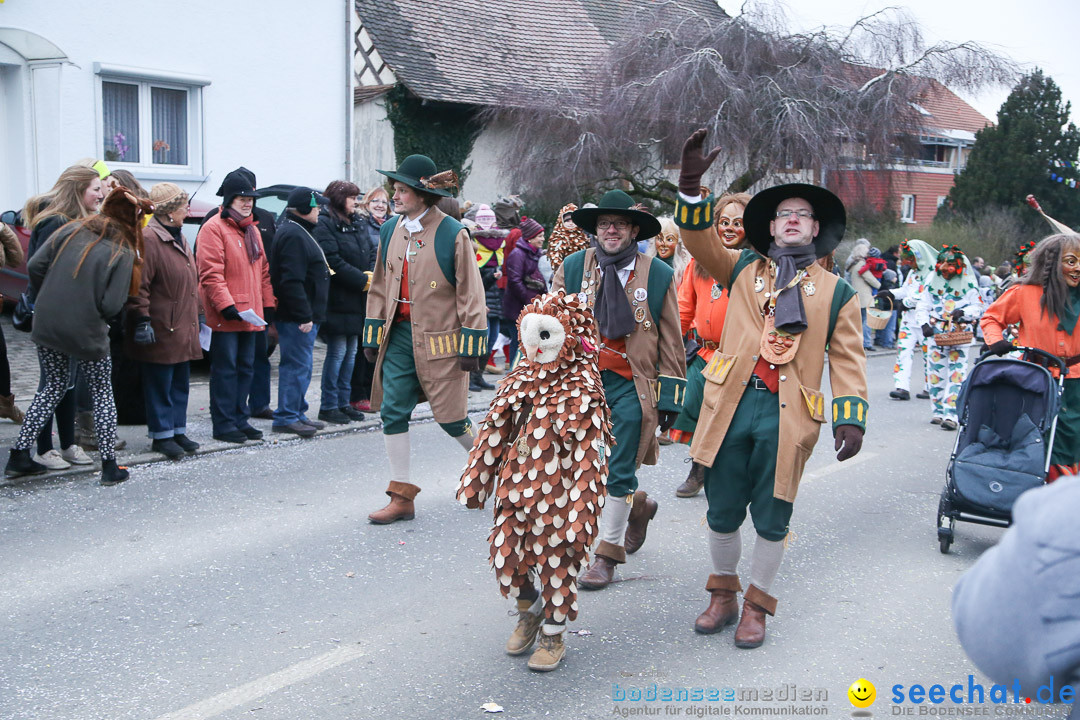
[949, 112]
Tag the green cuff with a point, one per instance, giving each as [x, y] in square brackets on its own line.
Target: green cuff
[694, 216]
[373, 332]
[473, 343]
[849, 410]
[670, 393]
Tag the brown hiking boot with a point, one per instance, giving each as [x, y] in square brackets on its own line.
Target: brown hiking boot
[723, 610]
[751, 630]
[643, 510]
[693, 483]
[400, 506]
[524, 634]
[548, 653]
[8, 409]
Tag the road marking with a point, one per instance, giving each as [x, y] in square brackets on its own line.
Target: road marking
[266, 685]
[838, 466]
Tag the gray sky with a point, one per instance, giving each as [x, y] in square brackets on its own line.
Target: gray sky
[1034, 32]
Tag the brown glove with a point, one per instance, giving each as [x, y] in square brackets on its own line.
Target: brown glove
[848, 441]
[694, 163]
[371, 354]
[471, 364]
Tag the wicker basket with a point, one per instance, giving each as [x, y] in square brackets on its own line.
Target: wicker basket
[879, 319]
[952, 336]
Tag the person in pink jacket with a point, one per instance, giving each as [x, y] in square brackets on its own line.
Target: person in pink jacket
[234, 276]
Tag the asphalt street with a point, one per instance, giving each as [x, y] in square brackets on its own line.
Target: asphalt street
[248, 584]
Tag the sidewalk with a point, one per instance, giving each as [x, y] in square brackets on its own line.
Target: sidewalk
[22, 356]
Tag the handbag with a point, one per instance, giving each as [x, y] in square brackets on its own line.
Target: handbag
[22, 316]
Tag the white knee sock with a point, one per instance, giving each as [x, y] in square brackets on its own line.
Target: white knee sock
[397, 451]
[726, 549]
[466, 441]
[613, 519]
[765, 562]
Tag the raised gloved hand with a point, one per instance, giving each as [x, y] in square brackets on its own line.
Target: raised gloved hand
[371, 354]
[667, 419]
[957, 315]
[848, 441]
[231, 313]
[927, 330]
[470, 364]
[1001, 347]
[144, 334]
[694, 163]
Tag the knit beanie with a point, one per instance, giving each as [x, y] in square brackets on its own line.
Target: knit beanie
[485, 217]
[530, 229]
[167, 197]
[302, 199]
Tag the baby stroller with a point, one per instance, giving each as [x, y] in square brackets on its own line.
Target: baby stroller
[1008, 416]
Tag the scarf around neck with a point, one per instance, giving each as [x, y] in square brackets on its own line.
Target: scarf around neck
[613, 314]
[790, 314]
[249, 226]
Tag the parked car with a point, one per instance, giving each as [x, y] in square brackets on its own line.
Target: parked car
[273, 198]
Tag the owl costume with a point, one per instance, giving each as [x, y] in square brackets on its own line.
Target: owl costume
[542, 453]
[910, 335]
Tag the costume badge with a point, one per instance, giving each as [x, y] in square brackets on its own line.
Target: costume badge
[639, 314]
[809, 288]
[647, 325]
[523, 447]
[716, 292]
[759, 284]
[640, 294]
[582, 297]
[777, 347]
[434, 284]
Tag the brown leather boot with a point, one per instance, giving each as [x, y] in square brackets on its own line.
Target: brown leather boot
[602, 570]
[693, 483]
[751, 630]
[8, 409]
[643, 510]
[723, 610]
[400, 506]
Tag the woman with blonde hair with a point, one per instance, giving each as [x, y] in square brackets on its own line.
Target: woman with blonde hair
[374, 210]
[76, 195]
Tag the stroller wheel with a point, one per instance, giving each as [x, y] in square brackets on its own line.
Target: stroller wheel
[944, 541]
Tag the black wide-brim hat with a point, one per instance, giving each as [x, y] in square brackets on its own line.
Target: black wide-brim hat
[828, 211]
[413, 170]
[616, 202]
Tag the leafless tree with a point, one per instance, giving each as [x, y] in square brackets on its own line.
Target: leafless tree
[776, 100]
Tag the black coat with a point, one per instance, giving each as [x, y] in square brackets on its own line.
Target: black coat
[492, 292]
[299, 274]
[350, 253]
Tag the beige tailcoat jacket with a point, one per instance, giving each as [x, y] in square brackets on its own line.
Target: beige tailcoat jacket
[442, 315]
[802, 406]
[654, 349]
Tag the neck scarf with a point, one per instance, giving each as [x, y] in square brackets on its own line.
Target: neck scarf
[248, 225]
[1068, 317]
[790, 315]
[613, 313]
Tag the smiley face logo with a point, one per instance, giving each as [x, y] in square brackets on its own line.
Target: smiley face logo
[862, 693]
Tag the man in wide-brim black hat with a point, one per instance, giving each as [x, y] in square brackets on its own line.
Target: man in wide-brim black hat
[763, 408]
[426, 325]
[642, 362]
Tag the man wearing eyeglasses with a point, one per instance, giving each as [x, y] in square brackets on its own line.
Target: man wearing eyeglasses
[641, 360]
[763, 407]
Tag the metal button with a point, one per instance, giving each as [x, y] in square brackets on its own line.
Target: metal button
[783, 378]
[772, 367]
[744, 382]
[754, 358]
[783, 405]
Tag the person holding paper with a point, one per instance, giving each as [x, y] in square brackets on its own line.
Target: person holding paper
[163, 320]
[234, 275]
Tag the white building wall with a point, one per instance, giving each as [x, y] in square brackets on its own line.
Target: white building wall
[373, 144]
[485, 182]
[279, 98]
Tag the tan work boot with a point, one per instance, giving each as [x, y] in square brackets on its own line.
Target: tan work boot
[548, 653]
[524, 634]
[756, 605]
[8, 409]
[400, 506]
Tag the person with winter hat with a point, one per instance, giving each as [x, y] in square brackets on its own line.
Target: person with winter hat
[763, 410]
[523, 278]
[567, 238]
[300, 276]
[425, 327]
[162, 329]
[234, 277]
[490, 258]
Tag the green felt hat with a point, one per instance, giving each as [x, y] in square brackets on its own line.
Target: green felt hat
[414, 171]
[616, 202]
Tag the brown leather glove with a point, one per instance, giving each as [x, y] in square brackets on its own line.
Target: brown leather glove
[694, 163]
[371, 354]
[848, 441]
[471, 364]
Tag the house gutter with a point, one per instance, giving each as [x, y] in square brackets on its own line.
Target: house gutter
[349, 12]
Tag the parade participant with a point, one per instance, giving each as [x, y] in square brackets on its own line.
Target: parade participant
[668, 247]
[919, 257]
[863, 281]
[374, 211]
[703, 303]
[425, 328]
[566, 239]
[543, 444]
[641, 360]
[1046, 304]
[523, 278]
[763, 409]
[949, 298]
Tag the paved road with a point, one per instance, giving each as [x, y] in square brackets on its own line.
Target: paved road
[247, 584]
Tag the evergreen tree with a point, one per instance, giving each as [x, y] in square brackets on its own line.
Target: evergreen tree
[1013, 158]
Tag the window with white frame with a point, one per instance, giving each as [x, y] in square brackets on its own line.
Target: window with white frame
[150, 122]
[941, 200]
[907, 208]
